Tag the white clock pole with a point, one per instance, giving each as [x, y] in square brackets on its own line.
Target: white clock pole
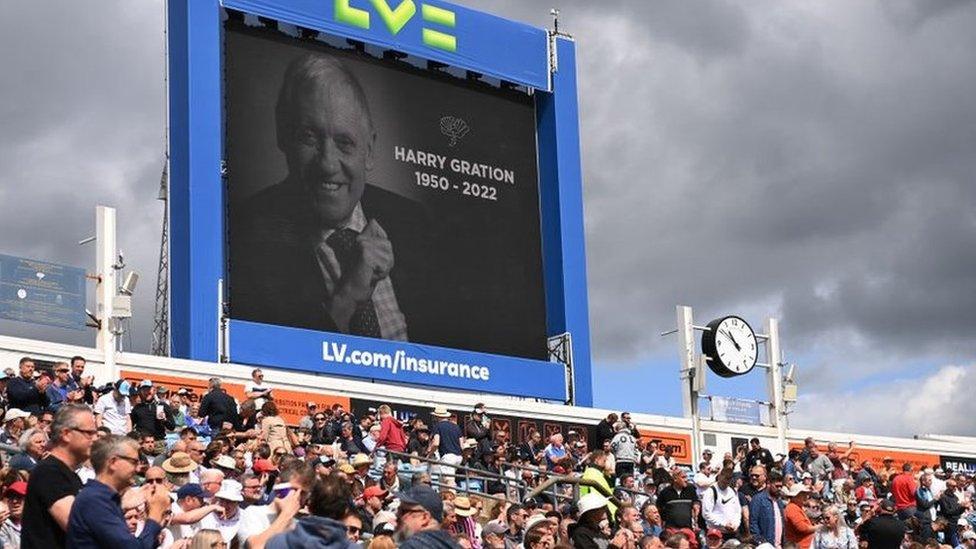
[692, 375]
[774, 382]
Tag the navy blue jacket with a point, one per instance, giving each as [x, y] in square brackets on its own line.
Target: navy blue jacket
[313, 533]
[97, 521]
[23, 394]
[762, 521]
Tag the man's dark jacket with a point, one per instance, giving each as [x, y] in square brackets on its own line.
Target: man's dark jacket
[883, 532]
[144, 419]
[218, 407]
[274, 274]
[23, 394]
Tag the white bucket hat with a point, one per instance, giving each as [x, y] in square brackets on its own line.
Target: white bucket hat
[230, 490]
[590, 502]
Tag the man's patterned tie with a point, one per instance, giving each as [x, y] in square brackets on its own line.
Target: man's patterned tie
[363, 321]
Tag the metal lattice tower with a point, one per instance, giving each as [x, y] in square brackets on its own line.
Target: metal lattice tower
[160, 335]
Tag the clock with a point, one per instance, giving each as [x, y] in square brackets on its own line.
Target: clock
[731, 346]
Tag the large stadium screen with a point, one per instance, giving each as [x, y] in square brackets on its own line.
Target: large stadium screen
[370, 197]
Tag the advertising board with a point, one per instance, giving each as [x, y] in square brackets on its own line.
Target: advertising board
[956, 464]
[876, 456]
[291, 404]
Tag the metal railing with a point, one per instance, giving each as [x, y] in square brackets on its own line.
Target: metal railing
[474, 480]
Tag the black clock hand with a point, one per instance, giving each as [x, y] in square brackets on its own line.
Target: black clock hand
[732, 339]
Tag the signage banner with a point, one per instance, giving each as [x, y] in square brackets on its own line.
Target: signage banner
[735, 410]
[919, 460]
[291, 404]
[42, 293]
[959, 464]
[355, 182]
[430, 29]
[679, 443]
[360, 357]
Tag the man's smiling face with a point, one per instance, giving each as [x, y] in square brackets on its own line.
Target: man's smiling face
[329, 148]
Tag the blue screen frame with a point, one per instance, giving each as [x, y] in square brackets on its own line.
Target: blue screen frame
[502, 49]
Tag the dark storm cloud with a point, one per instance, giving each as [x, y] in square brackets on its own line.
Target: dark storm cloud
[809, 161]
[81, 124]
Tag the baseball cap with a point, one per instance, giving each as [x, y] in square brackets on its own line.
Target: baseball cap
[426, 497]
[713, 533]
[374, 491]
[887, 506]
[262, 466]
[969, 534]
[19, 487]
[14, 413]
[123, 387]
[193, 490]
[146, 383]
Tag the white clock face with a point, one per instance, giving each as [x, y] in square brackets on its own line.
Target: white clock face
[735, 345]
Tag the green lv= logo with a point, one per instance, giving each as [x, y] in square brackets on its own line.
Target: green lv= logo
[396, 18]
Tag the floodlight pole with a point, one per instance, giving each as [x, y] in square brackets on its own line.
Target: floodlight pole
[105, 257]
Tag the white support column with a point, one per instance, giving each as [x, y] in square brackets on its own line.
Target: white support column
[106, 256]
[774, 381]
[691, 373]
[686, 344]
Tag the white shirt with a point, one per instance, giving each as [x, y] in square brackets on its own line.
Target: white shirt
[254, 520]
[252, 386]
[703, 482]
[181, 531]
[85, 473]
[723, 510]
[227, 527]
[115, 414]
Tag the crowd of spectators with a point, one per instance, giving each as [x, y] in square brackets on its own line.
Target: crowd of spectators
[138, 464]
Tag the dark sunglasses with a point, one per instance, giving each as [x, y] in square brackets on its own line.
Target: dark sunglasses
[155, 480]
[353, 529]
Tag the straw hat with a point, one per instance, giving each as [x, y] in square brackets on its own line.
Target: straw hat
[179, 463]
[463, 507]
[225, 462]
[359, 460]
[796, 490]
[440, 411]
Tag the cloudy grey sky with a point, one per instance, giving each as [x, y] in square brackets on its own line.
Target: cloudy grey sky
[808, 160]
